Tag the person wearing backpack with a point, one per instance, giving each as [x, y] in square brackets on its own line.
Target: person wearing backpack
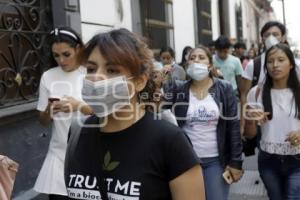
[275, 108]
[271, 33]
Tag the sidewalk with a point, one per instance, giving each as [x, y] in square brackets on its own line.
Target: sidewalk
[250, 187]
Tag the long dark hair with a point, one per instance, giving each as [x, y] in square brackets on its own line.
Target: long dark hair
[292, 82]
[184, 52]
[167, 49]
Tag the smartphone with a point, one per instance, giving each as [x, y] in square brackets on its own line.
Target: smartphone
[52, 99]
[227, 177]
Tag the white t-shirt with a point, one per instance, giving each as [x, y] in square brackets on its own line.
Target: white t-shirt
[248, 71]
[57, 83]
[201, 125]
[275, 131]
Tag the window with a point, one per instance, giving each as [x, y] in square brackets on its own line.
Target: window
[23, 50]
[157, 23]
[239, 23]
[204, 21]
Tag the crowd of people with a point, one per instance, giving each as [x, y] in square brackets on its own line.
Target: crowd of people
[127, 126]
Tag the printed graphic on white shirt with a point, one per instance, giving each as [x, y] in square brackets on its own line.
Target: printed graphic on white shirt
[202, 112]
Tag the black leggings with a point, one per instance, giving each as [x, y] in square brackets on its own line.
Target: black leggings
[57, 197]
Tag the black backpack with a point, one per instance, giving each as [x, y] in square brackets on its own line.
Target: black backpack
[249, 145]
[256, 70]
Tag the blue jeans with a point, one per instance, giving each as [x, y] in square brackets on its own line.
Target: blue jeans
[215, 186]
[281, 175]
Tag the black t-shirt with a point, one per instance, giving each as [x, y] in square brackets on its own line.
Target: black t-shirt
[137, 162]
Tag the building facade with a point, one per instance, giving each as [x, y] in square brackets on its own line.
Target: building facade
[24, 26]
[178, 23]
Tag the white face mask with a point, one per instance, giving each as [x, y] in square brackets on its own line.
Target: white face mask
[271, 41]
[198, 71]
[106, 96]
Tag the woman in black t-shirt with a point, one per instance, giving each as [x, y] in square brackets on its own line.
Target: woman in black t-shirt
[122, 152]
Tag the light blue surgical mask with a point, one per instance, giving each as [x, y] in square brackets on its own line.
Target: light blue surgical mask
[198, 71]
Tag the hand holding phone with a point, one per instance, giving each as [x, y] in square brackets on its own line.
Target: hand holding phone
[52, 99]
[227, 177]
[53, 107]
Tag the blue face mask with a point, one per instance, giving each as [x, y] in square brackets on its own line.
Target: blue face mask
[106, 96]
[198, 71]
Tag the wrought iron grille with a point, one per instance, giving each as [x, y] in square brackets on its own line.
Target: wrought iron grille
[24, 53]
